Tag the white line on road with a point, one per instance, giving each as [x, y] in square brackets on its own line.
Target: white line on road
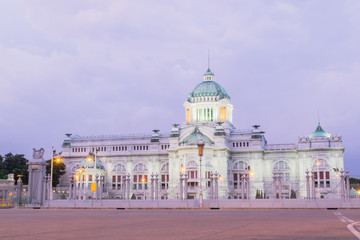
[353, 230]
[350, 226]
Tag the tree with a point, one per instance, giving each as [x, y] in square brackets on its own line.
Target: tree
[16, 164]
[353, 180]
[59, 170]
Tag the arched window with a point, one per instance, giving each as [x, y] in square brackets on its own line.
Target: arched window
[281, 165]
[192, 164]
[321, 173]
[240, 165]
[165, 176]
[321, 163]
[239, 168]
[165, 167]
[140, 168]
[119, 168]
[282, 168]
[118, 177]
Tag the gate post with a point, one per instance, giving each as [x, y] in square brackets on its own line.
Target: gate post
[19, 188]
[37, 171]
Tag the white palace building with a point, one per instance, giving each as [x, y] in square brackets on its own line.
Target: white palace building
[242, 159]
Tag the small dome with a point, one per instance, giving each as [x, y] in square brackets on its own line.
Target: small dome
[209, 73]
[194, 138]
[319, 132]
[90, 164]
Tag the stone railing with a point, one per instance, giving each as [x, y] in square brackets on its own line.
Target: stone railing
[279, 147]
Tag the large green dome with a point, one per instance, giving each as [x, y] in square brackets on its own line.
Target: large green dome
[209, 89]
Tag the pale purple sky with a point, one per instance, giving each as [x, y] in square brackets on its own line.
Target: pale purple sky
[111, 67]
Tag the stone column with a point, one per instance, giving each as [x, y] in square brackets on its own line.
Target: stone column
[342, 184]
[37, 170]
[152, 187]
[211, 185]
[347, 184]
[123, 186]
[216, 186]
[70, 186]
[274, 186]
[242, 186]
[75, 195]
[247, 186]
[97, 186]
[307, 184]
[128, 186]
[313, 184]
[102, 180]
[181, 187]
[19, 190]
[280, 186]
[186, 186]
[156, 186]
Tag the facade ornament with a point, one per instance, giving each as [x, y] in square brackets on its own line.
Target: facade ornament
[38, 154]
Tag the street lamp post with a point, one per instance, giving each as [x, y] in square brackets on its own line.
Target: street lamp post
[201, 151]
[58, 160]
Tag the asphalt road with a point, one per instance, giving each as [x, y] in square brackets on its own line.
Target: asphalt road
[177, 224]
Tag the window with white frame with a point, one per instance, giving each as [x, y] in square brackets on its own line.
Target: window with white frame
[118, 176]
[282, 168]
[164, 172]
[239, 169]
[140, 178]
[321, 173]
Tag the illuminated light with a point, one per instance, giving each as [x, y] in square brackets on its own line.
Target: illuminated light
[251, 173]
[89, 158]
[317, 163]
[182, 169]
[222, 113]
[58, 159]
[77, 177]
[188, 115]
[10, 194]
[142, 179]
[220, 178]
[337, 175]
[54, 191]
[24, 194]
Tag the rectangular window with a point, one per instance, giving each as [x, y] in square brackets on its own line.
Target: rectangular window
[327, 175]
[321, 175]
[135, 178]
[90, 177]
[222, 113]
[114, 178]
[119, 178]
[235, 176]
[315, 175]
[163, 178]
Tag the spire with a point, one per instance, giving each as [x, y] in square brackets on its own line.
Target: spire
[208, 59]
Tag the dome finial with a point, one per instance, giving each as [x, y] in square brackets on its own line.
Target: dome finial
[208, 59]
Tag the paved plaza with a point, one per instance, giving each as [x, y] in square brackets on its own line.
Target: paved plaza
[177, 224]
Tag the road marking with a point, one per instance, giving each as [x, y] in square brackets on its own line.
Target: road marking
[340, 217]
[353, 230]
[350, 226]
